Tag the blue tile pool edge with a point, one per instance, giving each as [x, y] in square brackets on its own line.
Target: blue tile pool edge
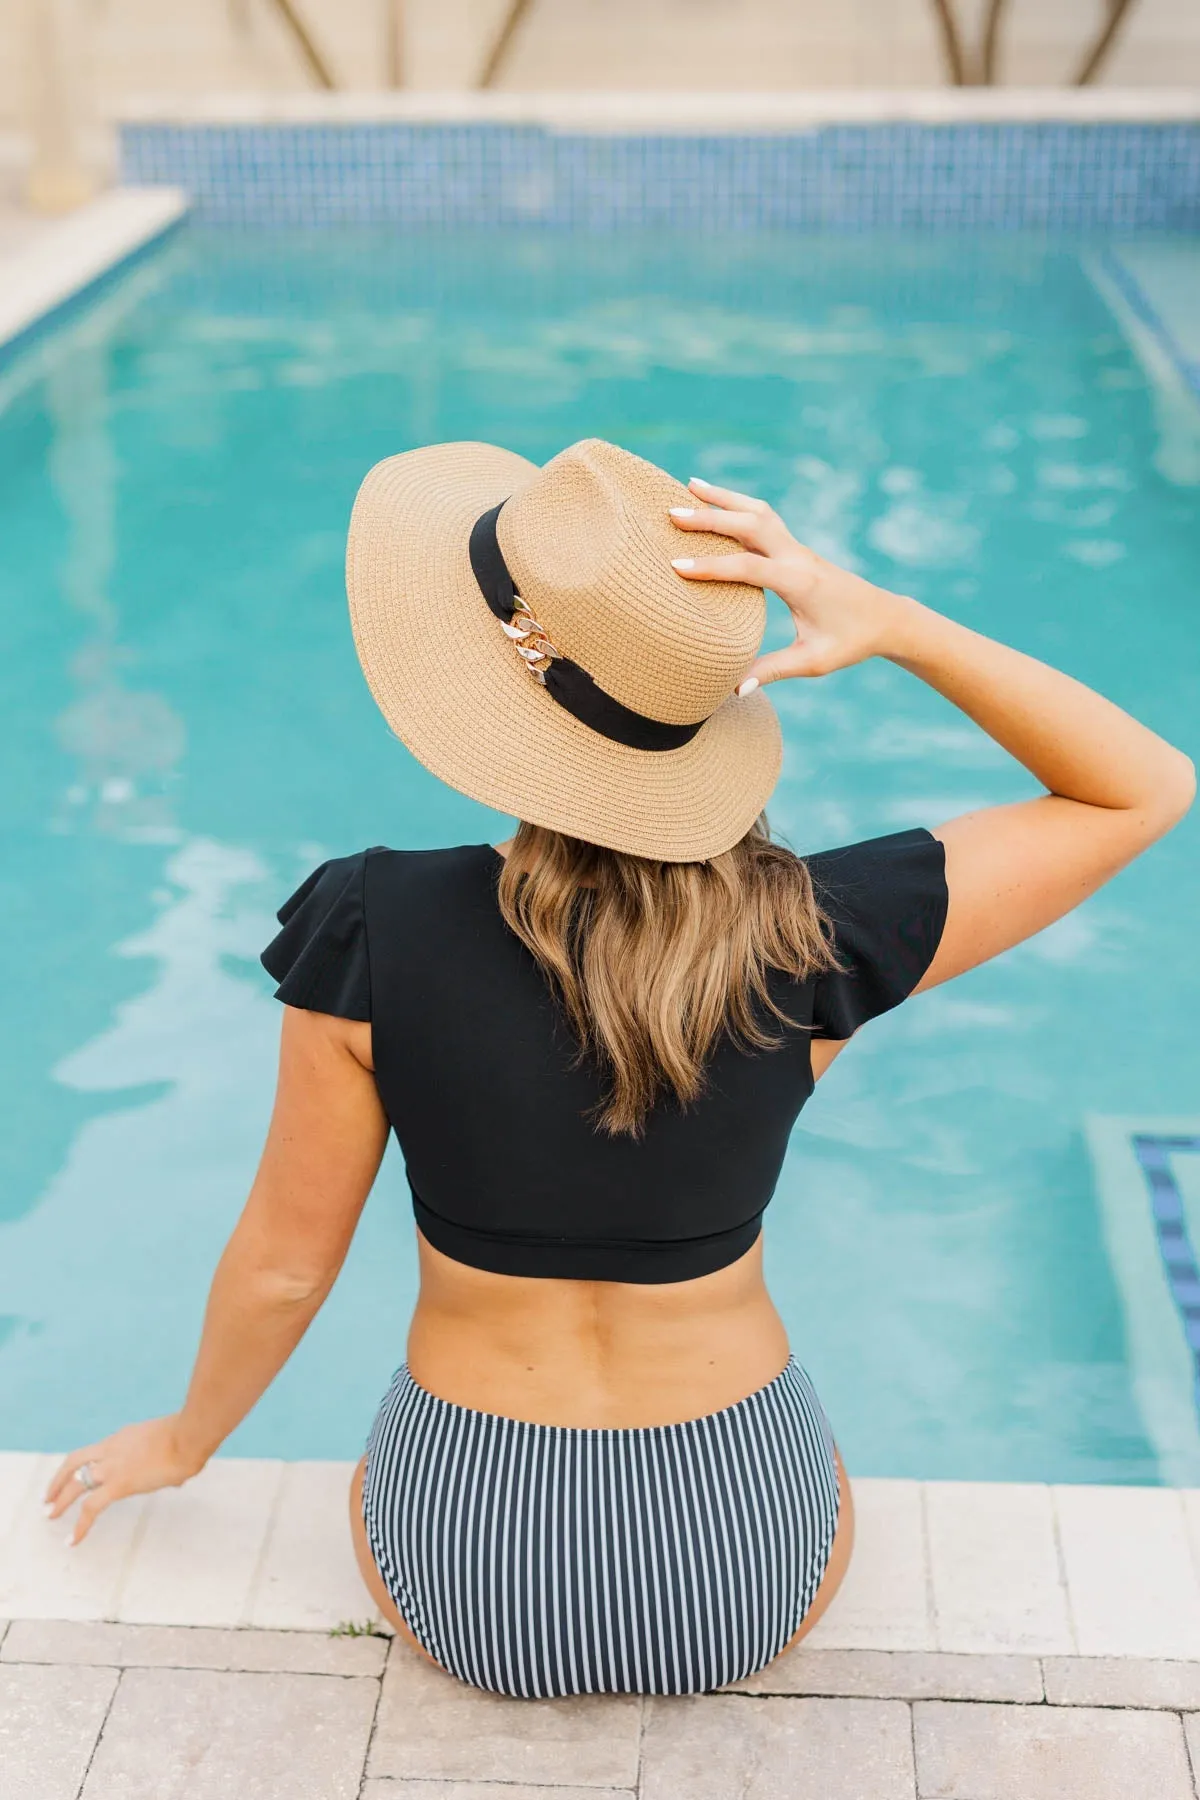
[1057, 175]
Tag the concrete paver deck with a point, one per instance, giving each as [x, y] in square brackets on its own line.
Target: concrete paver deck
[209, 1734]
[490, 1790]
[1044, 1753]
[431, 1727]
[176, 1713]
[50, 1722]
[720, 1746]
[1003, 1642]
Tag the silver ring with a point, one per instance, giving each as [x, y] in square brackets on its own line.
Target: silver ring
[85, 1478]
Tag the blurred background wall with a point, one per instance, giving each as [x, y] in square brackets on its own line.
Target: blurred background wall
[133, 49]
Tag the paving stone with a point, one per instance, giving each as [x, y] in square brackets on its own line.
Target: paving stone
[308, 1579]
[432, 1727]
[49, 1722]
[994, 1564]
[181, 1647]
[484, 1790]
[1047, 1753]
[1122, 1681]
[1191, 1728]
[898, 1675]
[713, 1748]
[196, 1734]
[1131, 1581]
[40, 1578]
[200, 1546]
[883, 1603]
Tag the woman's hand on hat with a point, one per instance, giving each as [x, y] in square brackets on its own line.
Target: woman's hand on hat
[840, 619]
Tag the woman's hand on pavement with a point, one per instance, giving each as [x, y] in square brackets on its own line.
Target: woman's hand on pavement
[135, 1460]
[840, 619]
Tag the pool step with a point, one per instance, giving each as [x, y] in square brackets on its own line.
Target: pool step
[1146, 1171]
[1152, 290]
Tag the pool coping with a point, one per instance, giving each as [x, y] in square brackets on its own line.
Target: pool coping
[944, 1573]
[663, 112]
[69, 257]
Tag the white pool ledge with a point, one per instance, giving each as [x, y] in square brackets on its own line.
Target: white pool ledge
[64, 258]
[964, 1568]
[661, 112]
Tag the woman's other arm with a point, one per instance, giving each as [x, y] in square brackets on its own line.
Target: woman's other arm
[1113, 785]
[326, 1140]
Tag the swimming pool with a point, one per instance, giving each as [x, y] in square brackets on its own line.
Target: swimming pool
[185, 733]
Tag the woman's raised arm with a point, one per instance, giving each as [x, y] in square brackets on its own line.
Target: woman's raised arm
[327, 1137]
[1113, 786]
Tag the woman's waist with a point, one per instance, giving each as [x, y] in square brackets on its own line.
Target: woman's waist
[601, 1354]
[622, 1245]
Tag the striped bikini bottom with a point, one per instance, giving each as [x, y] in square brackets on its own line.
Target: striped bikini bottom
[540, 1560]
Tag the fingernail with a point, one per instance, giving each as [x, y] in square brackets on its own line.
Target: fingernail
[683, 562]
[748, 686]
[69, 1540]
[48, 1509]
[682, 512]
[698, 481]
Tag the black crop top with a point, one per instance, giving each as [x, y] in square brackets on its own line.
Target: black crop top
[474, 1061]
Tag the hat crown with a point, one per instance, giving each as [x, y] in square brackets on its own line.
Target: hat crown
[589, 544]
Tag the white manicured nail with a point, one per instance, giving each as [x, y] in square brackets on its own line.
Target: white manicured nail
[48, 1509]
[698, 481]
[683, 562]
[748, 686]
[682, 512]
[69, 1540]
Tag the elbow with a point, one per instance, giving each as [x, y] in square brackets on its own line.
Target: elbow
[1163, 801]
[1168, 800]
[293, 1289]
[1178, 788]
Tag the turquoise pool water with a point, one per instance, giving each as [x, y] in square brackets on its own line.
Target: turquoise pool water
[185, 733]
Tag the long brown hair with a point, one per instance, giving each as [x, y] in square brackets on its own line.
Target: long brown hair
[654, 961]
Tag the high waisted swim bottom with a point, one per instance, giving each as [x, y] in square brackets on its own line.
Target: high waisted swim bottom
[538, 1560]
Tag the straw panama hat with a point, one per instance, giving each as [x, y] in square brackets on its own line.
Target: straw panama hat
[523, 632]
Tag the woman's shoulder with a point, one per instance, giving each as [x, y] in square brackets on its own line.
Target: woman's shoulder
[384, 859]
[885, 902]
[320, 957]
[426, 863]
[872, 867]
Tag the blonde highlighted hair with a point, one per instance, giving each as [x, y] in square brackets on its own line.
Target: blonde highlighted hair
[655, 961]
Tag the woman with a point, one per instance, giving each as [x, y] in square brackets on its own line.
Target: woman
[600, 1469]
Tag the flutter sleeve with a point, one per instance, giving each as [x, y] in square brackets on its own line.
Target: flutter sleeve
[320, 957]
[886, 900]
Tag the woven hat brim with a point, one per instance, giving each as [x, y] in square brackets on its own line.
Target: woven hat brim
[453, 689]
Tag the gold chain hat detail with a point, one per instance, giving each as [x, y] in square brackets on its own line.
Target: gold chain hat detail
[530, 642]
